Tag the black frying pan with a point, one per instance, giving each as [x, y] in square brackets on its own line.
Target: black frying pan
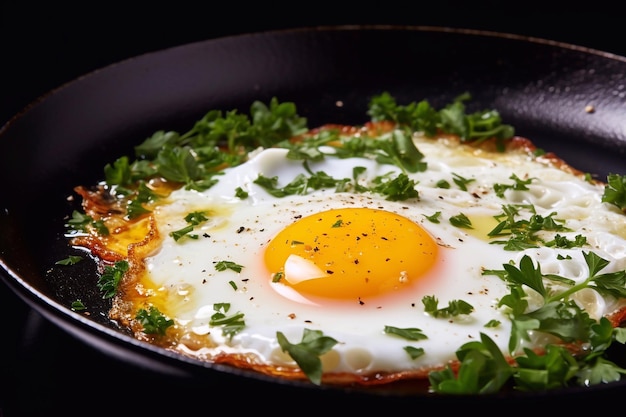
[66, 138]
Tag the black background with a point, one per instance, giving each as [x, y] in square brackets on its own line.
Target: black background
[44, 46]
[45, 371]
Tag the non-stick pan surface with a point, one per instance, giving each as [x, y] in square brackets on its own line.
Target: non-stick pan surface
[545, 89]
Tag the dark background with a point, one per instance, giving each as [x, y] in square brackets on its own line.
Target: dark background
[44, 371]
[44, 46]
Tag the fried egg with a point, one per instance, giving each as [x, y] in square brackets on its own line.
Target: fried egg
[354, 264]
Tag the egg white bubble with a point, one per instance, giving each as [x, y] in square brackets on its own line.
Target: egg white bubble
[239, 230]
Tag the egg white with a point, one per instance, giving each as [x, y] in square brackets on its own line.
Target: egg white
[239, 230]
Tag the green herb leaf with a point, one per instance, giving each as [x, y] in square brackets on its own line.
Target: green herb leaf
[231, 325]
[224, 265]
[153, 321]
[518, 185]
[483, 370]
[400, 188]
[462, 182]
[240, 193]
[70, 260]
[434, 218]
[81, 222]
[178, 234]
[307, 352]
[110, 279]
[615, 191]
[77, 305]
[454, 308]
[462, 221]
[414, 352]
[406, 333]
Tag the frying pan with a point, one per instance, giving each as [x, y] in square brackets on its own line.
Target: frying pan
[545, 89]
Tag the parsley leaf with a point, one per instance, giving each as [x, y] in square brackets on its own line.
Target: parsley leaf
[231, 325]
[454, 308]
[110, 280]
[414, 352]
[77, 305]
[406, 333]
[453, 118]
[307, 352]
[81, 222]
[400, 188]
[483, 370]
[153, 321]
[70, 260]
[193, 219]
[462, 221]
[224, 265]
[615, 191]
[518, 185]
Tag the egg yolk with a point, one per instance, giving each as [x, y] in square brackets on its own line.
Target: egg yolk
[350, 253]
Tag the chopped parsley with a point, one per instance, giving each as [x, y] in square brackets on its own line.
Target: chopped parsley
[483, 368]
[110, 280]
[524, 233]
[454, 308]
[81, 222]
[153, 321]
[230, 324]
[518, 185]
[414, 352]
[196, 158]
[78, 305]
[409, 334]
[224, 265]
[306, 353]
[434, 218]
[241, 193]
[615, 191]
[423, 117]
[462, 221]
[70, 260]
[193, 219]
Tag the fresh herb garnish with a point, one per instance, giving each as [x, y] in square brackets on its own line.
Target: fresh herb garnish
[110, 279]
[483, 368]
[462, 221]
[523, 233]
[414, 352]
[153, 321]
[70, 260]
[406, 333]
[81, 222]
[307, 352]
[454, 308]
[518, 185]
[615, 191]
[231, 325]
[224, 265]
[193, 219]
[241, 193]
[434, 218]
[77, 305]
[453, 118]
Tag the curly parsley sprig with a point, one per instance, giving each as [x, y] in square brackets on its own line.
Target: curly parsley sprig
[453, 118]
[195, 159]
[483, 368]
